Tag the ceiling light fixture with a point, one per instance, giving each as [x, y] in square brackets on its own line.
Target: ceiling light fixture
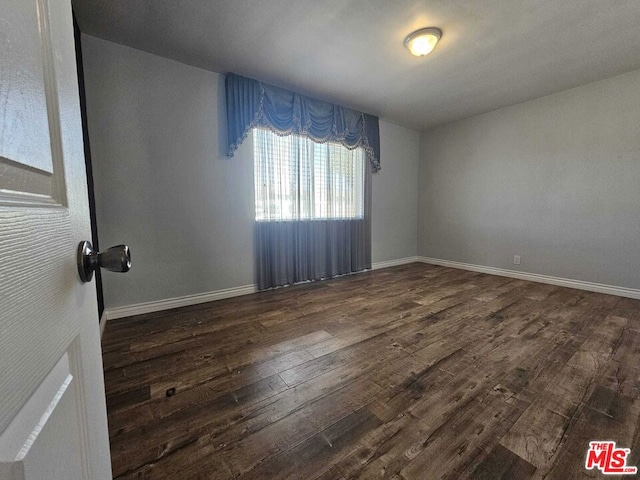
[423, 41]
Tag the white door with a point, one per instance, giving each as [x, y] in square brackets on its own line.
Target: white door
[52, 408]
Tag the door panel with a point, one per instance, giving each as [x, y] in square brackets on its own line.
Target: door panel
[38, 313]
[52, 404]
[52, 407]
[24, 136]
[28, 98]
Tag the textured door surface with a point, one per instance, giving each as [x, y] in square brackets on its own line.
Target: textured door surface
[52, 408]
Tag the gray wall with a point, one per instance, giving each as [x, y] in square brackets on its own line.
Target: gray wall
[164, 186]
[555, 180]
[394, 209]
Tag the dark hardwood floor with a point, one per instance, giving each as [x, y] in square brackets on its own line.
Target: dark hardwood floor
[412, 372]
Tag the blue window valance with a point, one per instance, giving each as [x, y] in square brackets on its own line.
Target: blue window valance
[251, 104]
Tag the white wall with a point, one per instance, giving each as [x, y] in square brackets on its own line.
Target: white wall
[555, 180]
[164, 185]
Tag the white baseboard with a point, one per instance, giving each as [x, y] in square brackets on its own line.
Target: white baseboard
[393, 263]
[536, 277]
[169, 303]
[103, 323]
[149, 307]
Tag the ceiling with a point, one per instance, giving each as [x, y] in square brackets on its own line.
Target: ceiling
[493, 53]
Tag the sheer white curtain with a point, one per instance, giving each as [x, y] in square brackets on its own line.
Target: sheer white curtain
[312, 209]
[299, 179]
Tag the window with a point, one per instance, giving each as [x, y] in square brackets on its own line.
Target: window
[299, 179]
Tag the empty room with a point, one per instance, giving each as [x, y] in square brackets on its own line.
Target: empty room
[319, 240]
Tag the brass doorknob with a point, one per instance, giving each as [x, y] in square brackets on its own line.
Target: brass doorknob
[115, 259]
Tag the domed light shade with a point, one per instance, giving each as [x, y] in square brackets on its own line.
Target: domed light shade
[423, 41]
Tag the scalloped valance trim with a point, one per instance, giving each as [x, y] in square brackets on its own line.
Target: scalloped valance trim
[296, 114]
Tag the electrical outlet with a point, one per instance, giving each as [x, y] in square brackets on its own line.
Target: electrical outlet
[516, 259]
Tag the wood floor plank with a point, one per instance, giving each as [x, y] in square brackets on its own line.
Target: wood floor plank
[323, 448]
[460, 440]
[244, 454]
[381, 448]
[605, 416]
[196, 459]
[221, 401]
[503, 464]
[538, 434]
[411, 372]
[332, 474]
